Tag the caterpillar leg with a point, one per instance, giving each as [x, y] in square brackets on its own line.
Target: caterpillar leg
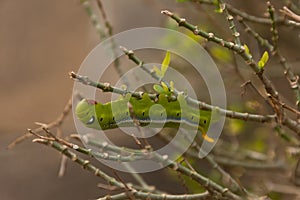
[207, 138]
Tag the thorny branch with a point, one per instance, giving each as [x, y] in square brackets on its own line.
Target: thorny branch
[288, 73]
[120, 154]
[200, 104]
[65, 148]
[106, 87]
[252, 18]
[269, 88]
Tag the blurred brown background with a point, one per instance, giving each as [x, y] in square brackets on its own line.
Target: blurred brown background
[40, 42]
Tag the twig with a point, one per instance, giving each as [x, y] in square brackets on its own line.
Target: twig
[226, 176]
[137, 125]
[230, 45]
[208, 184]
[105, 87]
[152, 196]
[84, 163]
[139, 178]
[290, 13]
[116, 62]
[105, 156]
[102, 33]
[281, 188]
[291, 124]
[107, 187]
[63, 166]
[205, 182]
[232, 159]
[211, 186]
[200, 104]
[93, 18]
[107, 24]
[243, 86]
[131, 156]
[109, 29]
[262, 41]
[128, 190]
[180, 176]
[287, 107]
[252, 18]
[289, 74]
[230, 181]
[274, 30]
[232, 26]
[249, 165]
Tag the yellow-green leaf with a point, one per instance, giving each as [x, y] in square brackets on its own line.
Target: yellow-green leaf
[165, 63]
[265, 57]
[261, 64]
[263, 60]
[165, 87]
[158, 89]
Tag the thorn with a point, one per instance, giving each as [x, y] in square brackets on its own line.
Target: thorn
[166, 12]
[72, 75]
[123, 49]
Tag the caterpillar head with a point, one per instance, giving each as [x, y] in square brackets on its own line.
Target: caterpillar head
[85, 111]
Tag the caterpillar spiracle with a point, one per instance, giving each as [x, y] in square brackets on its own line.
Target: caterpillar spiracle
[146, 111]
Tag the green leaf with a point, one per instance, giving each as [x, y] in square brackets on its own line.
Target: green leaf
[165, 63]
[263, 60]
[158, 89]
[247, 51]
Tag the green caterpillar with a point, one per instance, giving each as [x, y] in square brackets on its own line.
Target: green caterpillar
[145, 112]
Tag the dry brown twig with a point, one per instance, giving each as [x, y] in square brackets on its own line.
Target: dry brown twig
[290, 13]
